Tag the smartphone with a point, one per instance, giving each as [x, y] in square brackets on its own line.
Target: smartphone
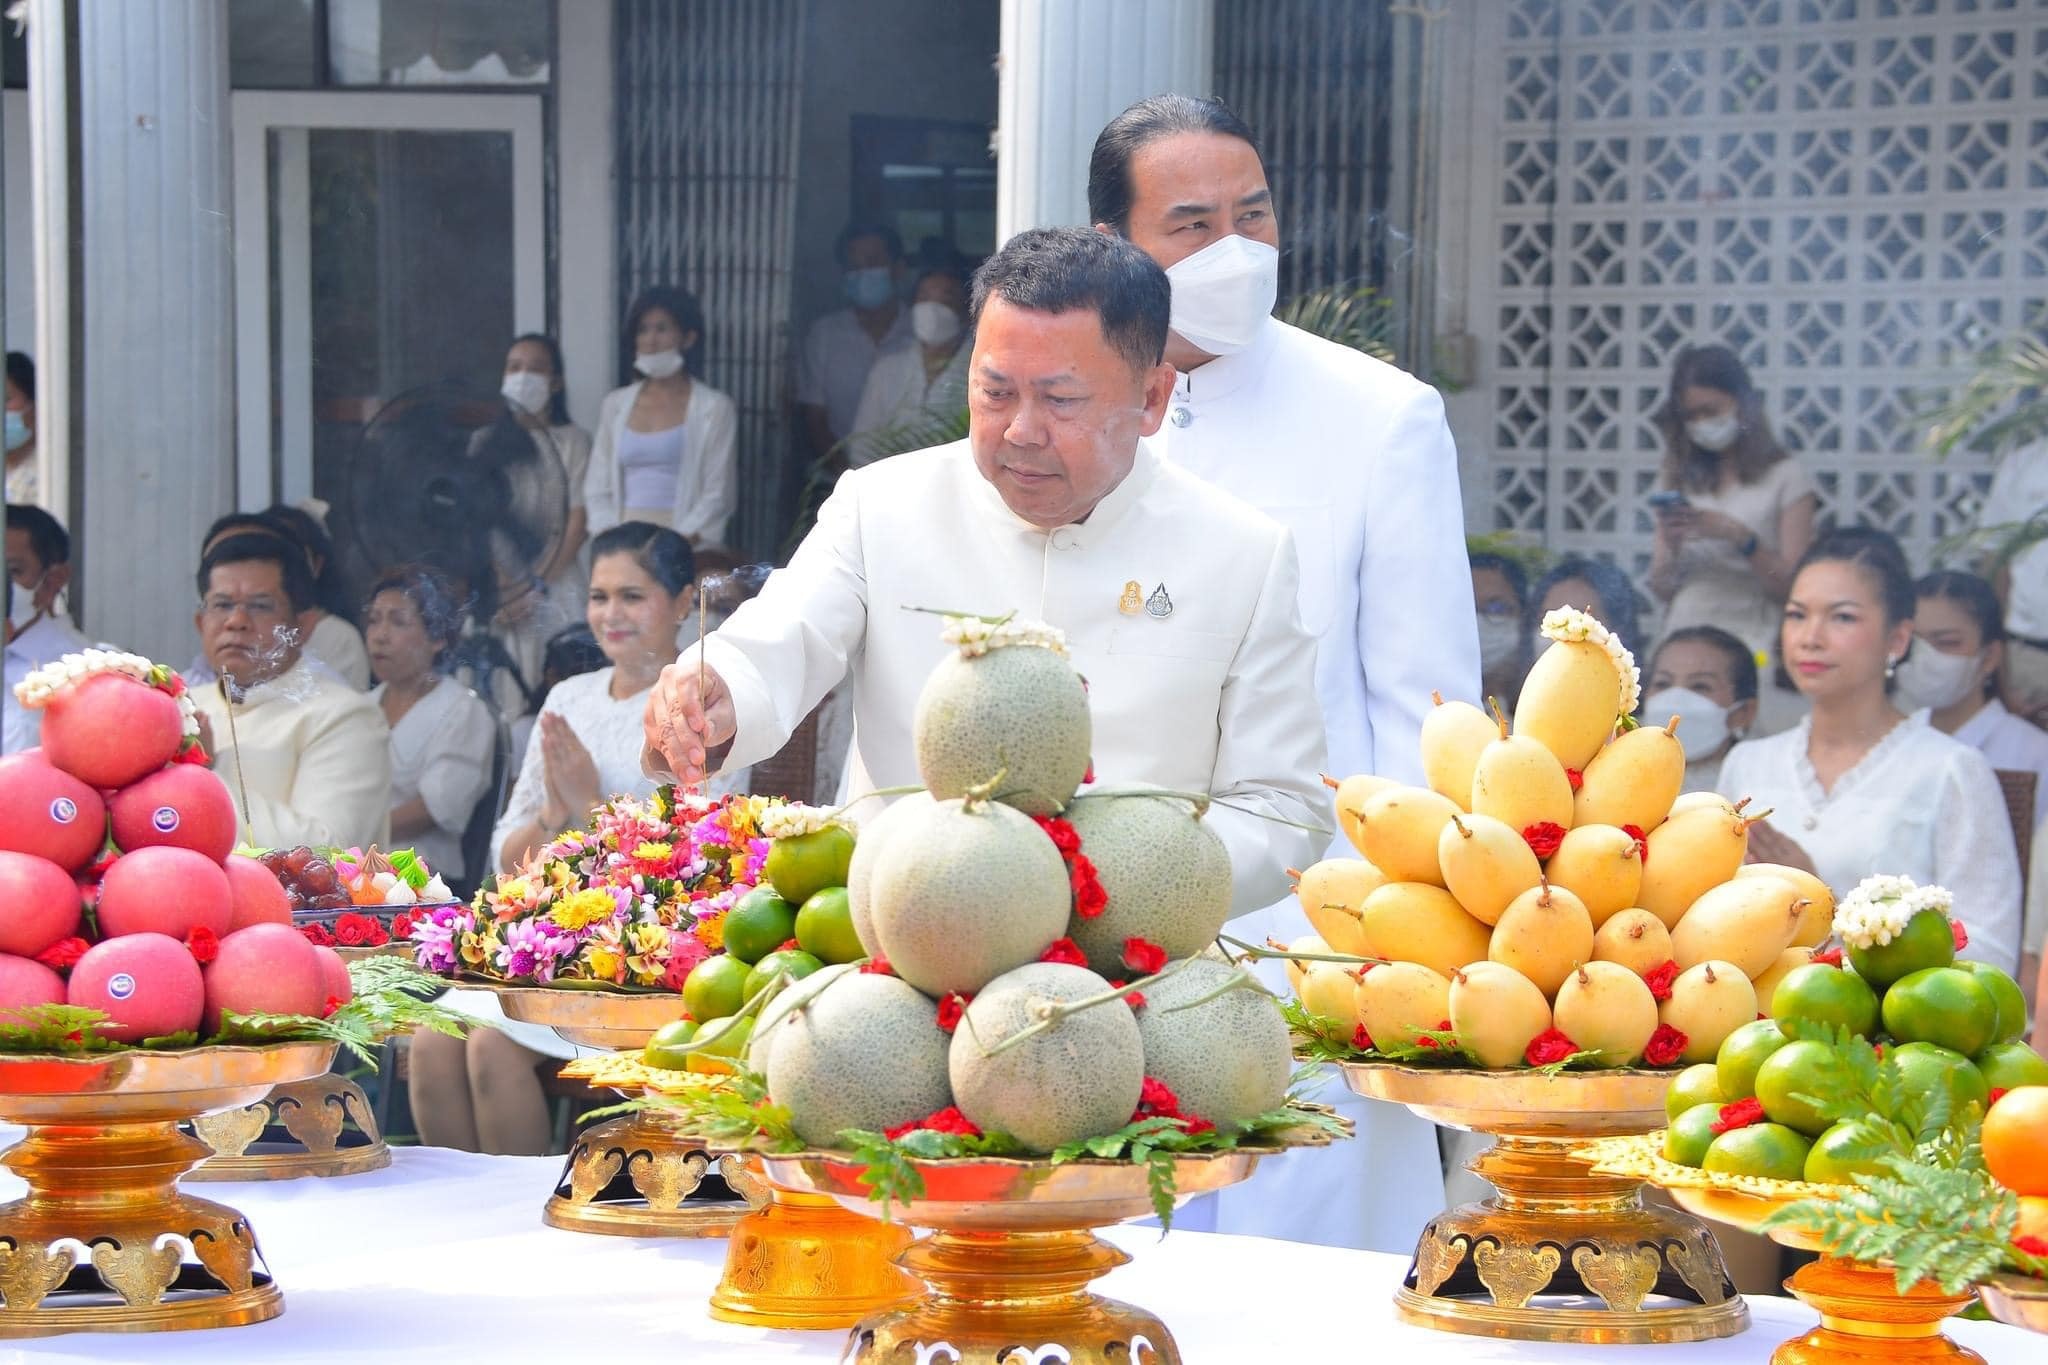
[1668, 499]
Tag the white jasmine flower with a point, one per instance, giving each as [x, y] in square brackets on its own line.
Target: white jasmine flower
[1880, 907]
[976, 637]
[794, 819]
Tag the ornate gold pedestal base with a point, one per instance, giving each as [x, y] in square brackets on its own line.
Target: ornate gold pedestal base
[633, 1177]
[801, 1262]
[992, 1292]
[1562, 1254]
[323, 1126]
[106, 1243]
[1865, 1320]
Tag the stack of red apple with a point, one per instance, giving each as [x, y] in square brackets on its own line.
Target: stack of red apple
[119, 889]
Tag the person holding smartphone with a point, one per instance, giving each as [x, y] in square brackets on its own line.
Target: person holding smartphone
[1734, 513]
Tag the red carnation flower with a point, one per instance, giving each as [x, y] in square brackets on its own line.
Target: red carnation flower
[1962, 935]
[1635, 832]
[1143, 956]
[951, 1006]
[1135, 999]
[1575, 777]
[1090, 899]
[354, 930]
[1544, 837]
[318, 935]
[334, 1002]
[401, 924]
[947, 1120]
[62, 955]
[1740, 1114]
[2031, 1245]
[1665, 1047]
[1996, 1092]
[202, 944]
[191, 753]
[1062, 833]
[1194, 1126]
[99, 866]
[1831, 957]
[878, 966]
[1156, 1100]
[1659, 979]
[1064, 950]
[1547, 1047]
[788, 945]
[1442, 1026]
[1360, 1039]
[172, 685]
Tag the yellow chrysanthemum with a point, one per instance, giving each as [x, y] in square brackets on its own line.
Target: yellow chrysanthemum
[581, 909]
[710, 931]
[604, 962]
[653, 853]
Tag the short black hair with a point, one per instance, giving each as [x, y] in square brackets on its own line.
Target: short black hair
[1878, 554]
[853, 232]
[1513, 572]
[1741, 659]
[258, 547]
[1056, 270]
[1110, 191]
[558, 402]
[21, 372]
[1978, 599]
[46, 535]
[679, 304]
[664, 554]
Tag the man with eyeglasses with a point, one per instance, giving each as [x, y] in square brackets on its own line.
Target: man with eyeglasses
[307, 757]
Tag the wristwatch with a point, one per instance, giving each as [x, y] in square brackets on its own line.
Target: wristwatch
[1749, 546]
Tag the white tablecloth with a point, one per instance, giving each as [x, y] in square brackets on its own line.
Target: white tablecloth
[443, 1257]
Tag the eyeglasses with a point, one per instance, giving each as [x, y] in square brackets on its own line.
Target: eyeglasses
[257, 608]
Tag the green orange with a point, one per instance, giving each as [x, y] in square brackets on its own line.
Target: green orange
[2010, 1065]
[824, 927]
[1766, 1149]
[1788, 1077]
[1926, 941]
[758, 925]
[1821, 994]
[1698, 1084]
[805, 864]
[1742, 1052]
[1946, 1006]
[666, 1048]
[716, 1057]
[795, 963]
[1924, 1065]
[1829, 1162]
[715, 988]
[1690, 1134]
[2012, 1005]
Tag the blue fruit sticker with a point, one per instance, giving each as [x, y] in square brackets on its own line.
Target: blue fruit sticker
[63, 810]
[120, 985]
[165, 818]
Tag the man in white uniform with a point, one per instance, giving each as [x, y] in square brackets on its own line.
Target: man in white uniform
[38, 630]
[1051, 508]
[1353, 455]
[841, 347]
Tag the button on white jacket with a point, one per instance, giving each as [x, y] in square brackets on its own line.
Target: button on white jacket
[1217, 696]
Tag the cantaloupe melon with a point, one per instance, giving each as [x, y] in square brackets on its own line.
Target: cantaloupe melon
[867, 851]
[1079, 1078]
[866, 1052]
[1227, 1059]
[1166, 874]
[1016, 715]
[792, 998]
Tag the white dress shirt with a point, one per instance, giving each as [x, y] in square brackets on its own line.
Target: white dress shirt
[45, 642]
[901, 393]
[339, 645]
[1215, 696]
[2010, 743]
[832, 368]
[2019, 490]
[441, 752]
[706, 488]
[1917, 805]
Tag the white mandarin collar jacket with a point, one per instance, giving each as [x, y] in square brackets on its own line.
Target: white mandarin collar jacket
[1353, 456]
[1218, 695]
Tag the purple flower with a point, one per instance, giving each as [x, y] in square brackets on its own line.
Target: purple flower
[528, 950]
[757, 858]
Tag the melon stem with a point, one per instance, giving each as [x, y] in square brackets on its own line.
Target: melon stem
[1202, 801]
[1050, 1013]
[1002, 620]
[1264, 954]
[1241, 980]
[907, 789]
[746, 1011]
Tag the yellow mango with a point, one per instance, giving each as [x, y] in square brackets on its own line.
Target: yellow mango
[1635, 939]
[1817, 920]
[1330, 991]
[1351, 795]
[1545, 934]
[1747, 921]
[1485, 864]
[1599, 865]
[1496, 1011]
[1296, 969]
[1570, 701]
[1606, 1008]
[1520, 783]
[1400, 1000]
[1704, 801]
[1453, 733]
[1398, 830]
[1331, 893]
[1415, 922]
[1632, 781]
[1708, 1002]
[1767, 984]
[1694, 850]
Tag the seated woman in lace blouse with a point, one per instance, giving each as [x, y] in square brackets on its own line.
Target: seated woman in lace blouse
[1858, 787]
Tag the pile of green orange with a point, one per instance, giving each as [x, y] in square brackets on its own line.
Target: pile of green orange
[796, 923]
[1946, 1022]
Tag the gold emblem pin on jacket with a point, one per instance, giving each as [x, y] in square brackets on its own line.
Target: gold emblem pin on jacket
[1133, 600]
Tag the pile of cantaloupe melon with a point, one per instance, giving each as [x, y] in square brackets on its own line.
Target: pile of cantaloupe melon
[1551, 877]
[998, 988]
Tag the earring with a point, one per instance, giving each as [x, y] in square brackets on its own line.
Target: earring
[1891, 667]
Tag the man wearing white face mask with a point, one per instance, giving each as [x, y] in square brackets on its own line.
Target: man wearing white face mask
[841, 348]
[916, 396]
[38, 631]
[1353, 455]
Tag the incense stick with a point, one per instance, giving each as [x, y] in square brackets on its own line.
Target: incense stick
[705, 733]
[227, 702]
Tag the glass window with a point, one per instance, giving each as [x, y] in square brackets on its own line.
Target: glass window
[439, 42]
[270, 45]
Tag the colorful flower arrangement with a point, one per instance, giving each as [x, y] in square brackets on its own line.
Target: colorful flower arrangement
[636, 900]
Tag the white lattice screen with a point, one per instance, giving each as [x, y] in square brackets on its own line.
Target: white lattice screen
[1853, 194]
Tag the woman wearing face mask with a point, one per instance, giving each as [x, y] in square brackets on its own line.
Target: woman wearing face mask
[21, 430]
[1958, 646]
[532, 387]
[1734, 511]
[1707, 678]
[1858, 786]
[664, 449]
[1499, 596]
[914, 394]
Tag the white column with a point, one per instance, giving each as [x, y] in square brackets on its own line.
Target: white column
[586, 307]
[156, 268]
[53, 187]
[1067, 68]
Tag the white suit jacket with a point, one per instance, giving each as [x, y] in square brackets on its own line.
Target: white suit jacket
[1354, 457]
[706, 489]
[1218, 695]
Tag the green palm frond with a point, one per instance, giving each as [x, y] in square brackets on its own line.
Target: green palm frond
[2002, 405]
[1361, 318]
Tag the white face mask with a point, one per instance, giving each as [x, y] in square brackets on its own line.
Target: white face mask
[21, 604]
[525, 390]
[1499, 639]
[1935, 680]
[1714, 433]
[1223, 293]
[934, 323]
[659, 364]
[1702, 724]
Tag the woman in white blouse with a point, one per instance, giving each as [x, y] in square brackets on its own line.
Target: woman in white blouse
[916, 396]
[1858, 787]
[442, 737]
[664, 451]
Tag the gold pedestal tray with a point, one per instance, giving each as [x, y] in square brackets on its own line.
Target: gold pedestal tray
[634, 1176]
[321, 1127]
[1864, 1319]
[2017, 1301]
[105, 1242]
[1558, 1253]
[799, 1261]
[1011, 1255]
